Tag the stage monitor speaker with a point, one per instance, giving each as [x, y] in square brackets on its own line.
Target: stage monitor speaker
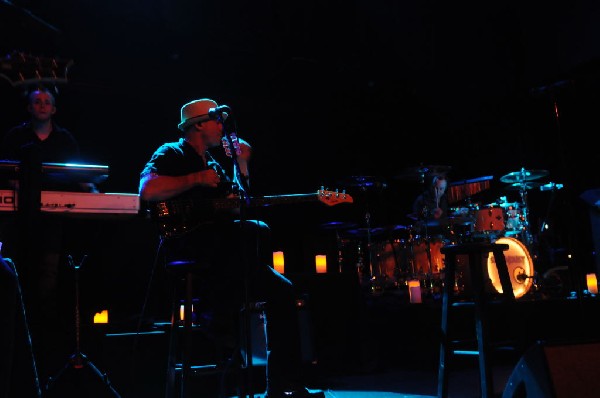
[556, 371]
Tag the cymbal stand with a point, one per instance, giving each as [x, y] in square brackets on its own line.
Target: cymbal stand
[365, 271]
[340, 247]
[426, 217]
[527, 237]
[79, 360]
[369, 244]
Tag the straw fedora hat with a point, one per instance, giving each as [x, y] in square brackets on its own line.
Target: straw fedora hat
[196, 111]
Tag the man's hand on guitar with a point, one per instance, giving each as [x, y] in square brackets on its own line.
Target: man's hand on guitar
[208, 178]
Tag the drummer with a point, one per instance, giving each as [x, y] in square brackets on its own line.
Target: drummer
[431, 206]
[430, 213]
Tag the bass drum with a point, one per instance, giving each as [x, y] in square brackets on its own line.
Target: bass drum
[520, 267]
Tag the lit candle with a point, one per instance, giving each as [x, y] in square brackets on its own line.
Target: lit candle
[182, 312]
[321, 262]
[101, 317]
[414, 291]
[592, 283]
[278, 262]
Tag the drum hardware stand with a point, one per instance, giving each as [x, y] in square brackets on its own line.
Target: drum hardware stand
[371, 274]
[79, 360]
[527, 237]
[429, 274]
[340, 246]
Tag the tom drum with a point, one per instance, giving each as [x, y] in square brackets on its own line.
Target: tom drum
[420, 263]
[489, 219]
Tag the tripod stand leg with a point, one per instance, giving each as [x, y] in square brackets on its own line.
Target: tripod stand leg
[78, 360]
[102, 376]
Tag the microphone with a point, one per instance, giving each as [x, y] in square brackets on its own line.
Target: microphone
[217, 112]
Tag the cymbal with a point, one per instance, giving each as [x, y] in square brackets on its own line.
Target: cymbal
[504, 205]
[517, 186]
[412, 216]
[363, 182]
[364, 232]
[445, 222]
[395, 229]
[337, 225]
[523, 175]
[417, 173]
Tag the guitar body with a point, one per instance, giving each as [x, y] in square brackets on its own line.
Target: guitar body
[178, 217]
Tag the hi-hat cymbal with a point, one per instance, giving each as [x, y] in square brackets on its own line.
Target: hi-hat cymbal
[417, 173]
[363, 182]
[517, 186]
[523, 175]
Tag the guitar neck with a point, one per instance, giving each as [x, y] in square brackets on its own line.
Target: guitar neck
[232, 203]
[177, 217]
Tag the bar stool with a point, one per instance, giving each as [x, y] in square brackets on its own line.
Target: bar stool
[179, 361]
[477, 254]
[180, 368]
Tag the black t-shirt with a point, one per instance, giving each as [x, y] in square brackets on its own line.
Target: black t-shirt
[22, 144]
[180, 158]
[425, 204]
[194, 207]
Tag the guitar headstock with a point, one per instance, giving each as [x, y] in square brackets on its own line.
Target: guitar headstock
[332, 198]
[23, 69]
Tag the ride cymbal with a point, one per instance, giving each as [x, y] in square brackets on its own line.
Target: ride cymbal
[523, 175]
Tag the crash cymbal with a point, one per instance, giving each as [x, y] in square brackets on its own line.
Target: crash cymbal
[523, 175]
[517, 186]
[362, 182]
[418, 173]
[337, 225]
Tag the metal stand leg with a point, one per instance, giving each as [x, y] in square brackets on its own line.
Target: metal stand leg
[79, 360]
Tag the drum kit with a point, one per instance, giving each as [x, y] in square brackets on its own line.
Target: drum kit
[386, 257]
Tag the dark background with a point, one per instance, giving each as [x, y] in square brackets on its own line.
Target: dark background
[328, 90]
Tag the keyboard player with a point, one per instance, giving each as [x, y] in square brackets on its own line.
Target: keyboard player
[34, 240]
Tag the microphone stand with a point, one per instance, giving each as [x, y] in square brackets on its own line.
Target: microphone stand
[243, 191]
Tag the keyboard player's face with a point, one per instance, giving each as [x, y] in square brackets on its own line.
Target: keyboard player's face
[41, 106]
